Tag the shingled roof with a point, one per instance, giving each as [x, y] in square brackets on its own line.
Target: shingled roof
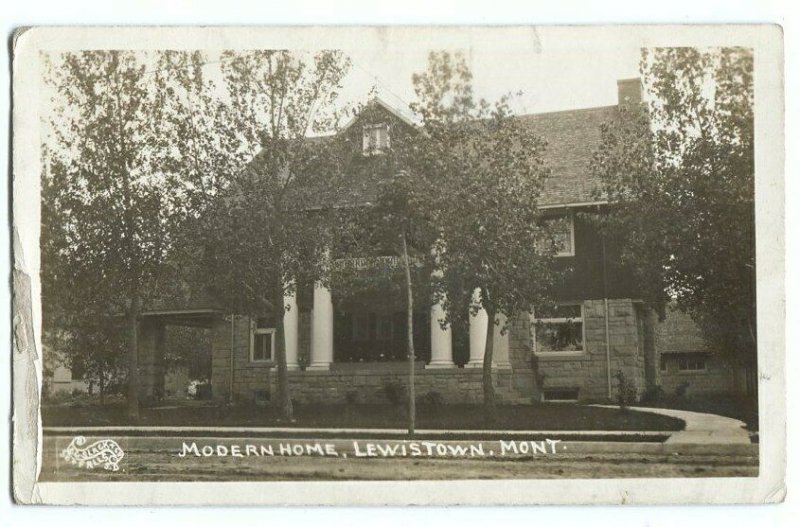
[572, 137]
[678, 333]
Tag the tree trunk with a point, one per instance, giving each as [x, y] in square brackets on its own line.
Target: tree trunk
[412, 405]
[488, 385]
[133, 357]
[284, 396]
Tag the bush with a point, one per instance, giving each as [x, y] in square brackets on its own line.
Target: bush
[653, 395]
[352, 397]
[626, 391]
[395, 393]
[432, 398]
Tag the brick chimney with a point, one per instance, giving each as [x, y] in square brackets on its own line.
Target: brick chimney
[629, 92]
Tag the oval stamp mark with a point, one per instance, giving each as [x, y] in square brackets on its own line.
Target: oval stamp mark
[106, 453]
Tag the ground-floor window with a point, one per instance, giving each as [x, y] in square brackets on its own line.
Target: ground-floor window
[691, 363]
[685, 362]
[558, 329]
[262, 340]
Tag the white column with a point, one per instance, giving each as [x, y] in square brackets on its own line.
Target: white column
[321, 329]
[441, 340]
[291, 329]
[478, 326]
[501, 351]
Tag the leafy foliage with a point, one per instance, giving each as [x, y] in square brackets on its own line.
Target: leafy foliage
[680, 175]
[465, 191]
[108, 201]
[265, 229]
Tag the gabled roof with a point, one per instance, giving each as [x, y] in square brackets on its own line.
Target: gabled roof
[678, 333]
[572, 137]
[386, 106]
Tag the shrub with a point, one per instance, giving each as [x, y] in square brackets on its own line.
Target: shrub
[395, 393]
[626, 391]
[653, 394]
[432, 398]
[352, 397]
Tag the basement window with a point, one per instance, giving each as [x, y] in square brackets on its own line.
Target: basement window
[375, 139]
[559, 329]
[262, 340]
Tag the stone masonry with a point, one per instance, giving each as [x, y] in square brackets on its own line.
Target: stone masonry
[529, 378]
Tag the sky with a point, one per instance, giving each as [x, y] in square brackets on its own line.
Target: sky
[550, 79]
[553, 68]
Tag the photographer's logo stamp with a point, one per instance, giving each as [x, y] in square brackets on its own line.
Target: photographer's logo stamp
[106, 453]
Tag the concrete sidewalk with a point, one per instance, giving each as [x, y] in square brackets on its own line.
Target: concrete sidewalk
[701, 428]
[257, 431]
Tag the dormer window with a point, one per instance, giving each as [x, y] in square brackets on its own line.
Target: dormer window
[376, 138]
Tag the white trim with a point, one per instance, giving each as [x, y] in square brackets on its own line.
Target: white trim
[575, 204]
[366, 147]
[566, 254]
[255, 330]
[563, 353]
[694, 358]
[569, 216]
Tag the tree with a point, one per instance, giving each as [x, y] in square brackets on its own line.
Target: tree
[108, 210]
[492, 252]
[262, 233]
[680, 176]
[395, 224]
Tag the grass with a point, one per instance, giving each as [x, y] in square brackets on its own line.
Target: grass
[542, 416]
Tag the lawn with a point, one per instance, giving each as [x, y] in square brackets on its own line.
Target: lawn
[542, 416]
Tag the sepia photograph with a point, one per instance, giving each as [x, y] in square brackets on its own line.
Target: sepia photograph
[371, 256]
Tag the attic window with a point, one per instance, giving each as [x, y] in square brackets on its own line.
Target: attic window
[376, 138]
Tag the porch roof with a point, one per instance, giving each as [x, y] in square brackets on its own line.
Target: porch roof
[198, 318]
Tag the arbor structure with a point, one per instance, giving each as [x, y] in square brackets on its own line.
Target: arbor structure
[679, 174]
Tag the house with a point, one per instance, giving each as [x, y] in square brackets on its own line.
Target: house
[353, 350]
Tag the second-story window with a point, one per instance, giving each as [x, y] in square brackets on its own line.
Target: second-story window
[376, 138]
[562, 229]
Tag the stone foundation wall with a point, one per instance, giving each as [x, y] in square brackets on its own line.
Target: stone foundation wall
[454, 386]
[587, 370]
